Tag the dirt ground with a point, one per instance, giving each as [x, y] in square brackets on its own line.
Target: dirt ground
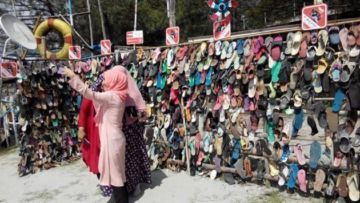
[73, 183]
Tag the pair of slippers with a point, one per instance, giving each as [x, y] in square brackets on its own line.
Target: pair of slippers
[346, 186]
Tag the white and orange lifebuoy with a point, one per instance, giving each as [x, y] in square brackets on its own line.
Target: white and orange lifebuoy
[62, 27]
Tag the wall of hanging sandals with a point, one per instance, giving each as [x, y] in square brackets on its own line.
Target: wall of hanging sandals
[48, 118]
[7, 106]
[281, 108]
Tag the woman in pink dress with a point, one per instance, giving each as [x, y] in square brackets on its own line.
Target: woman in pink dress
[109, 106]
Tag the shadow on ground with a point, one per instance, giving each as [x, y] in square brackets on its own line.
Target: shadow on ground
[156, 179]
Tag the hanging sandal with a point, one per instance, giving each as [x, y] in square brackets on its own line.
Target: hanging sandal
[319, 180]
[247, 165]
[283, 175]
[341, 186]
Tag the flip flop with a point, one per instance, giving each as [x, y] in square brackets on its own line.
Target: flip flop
[330, 189]
[264, 146]
[285, 154]
[328, 154]
[275, 70]
[200, 159]
[192, 146]
[298, 149]
[213, 174]
[240, 46]
[294, 74]
[334, 35]
[297, 122]
[338, 100]
[322, 119]
[311, 122]
[316, 83]
[315, 154]
[356, 141]
[218, 48]
[338, 158]
[274, 170]
[296, 42]
[155, 163]
[270, 132]
[289, 43]
[302, 182]
[218, 145]
[319, 180]
[230, 51]
[235, 154]
[247, 165]
[276, 48]
[268, 43]
[283, 176]
[247, 47]
[239, 167]
[341, 186]
[224, 48]
[332, 119]
[285, 99]
[343, 38]
[206, 141]
[323, 38]
[292, 176]
[272, 91]
[258, 149]
[260, 169]
[353, 184]
[304, 44]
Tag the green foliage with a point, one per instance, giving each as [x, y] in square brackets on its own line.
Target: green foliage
[192, 16]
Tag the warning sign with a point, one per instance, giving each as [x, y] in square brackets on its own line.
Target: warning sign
[9, 69]
[172, 36]
[314, 17]
[105, 47]
[74, 52]
[222, 29]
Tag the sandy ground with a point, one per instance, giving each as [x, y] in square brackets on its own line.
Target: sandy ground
[73, 183]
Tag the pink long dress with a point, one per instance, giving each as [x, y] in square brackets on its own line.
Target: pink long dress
[110, 109]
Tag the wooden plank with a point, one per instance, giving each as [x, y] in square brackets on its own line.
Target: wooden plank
[273, 30]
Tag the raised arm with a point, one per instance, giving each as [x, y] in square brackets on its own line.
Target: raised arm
[97, 97]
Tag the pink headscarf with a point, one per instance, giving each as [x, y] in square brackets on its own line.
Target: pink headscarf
[116, 80]
[135, 98]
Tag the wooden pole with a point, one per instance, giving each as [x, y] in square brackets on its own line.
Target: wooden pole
[187, 153]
